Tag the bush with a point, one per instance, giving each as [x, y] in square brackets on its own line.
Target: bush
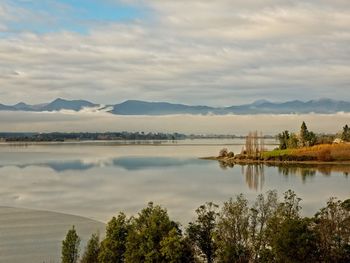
[223, 152]
[230, 155]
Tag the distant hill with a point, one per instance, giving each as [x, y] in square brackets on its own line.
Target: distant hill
[136, 107]
[56, 105]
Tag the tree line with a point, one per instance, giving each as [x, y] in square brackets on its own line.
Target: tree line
[268, 230]
[62, 136]
[288, 140]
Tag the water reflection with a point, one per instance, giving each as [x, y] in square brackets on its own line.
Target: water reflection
[99, 181]
[255, 175]
[127, 163]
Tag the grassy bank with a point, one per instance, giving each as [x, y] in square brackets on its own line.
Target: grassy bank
[324, 153]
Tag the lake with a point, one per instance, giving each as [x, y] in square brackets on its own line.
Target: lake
[96, 180]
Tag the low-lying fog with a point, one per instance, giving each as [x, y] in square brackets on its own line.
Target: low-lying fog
[200, 124]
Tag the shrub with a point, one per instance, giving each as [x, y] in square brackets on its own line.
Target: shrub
[223, 152]
[230, 155]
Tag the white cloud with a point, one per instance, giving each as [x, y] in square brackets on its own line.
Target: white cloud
[196, 52]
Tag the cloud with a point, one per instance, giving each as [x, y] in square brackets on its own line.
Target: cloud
[87, 121]
[196, 52]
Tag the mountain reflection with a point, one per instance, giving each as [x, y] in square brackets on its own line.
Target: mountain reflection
[127, 163]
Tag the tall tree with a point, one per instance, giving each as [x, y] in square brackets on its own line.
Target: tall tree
[70, 247]
[92, 249]
[283, 139]
[345, 136]
[232, 235]
[303, 134]
[149, 233]
[201, 232]
[113, 247]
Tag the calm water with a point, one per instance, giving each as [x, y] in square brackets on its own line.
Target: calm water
[98, 180]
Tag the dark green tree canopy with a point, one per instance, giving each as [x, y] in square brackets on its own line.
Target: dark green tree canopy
[92, 250]
[70, 247]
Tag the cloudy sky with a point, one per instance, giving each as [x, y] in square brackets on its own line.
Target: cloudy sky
[219, 52]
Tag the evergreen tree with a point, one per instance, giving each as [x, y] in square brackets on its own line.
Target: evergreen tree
[149, 233]
[304, 133]
[70, 247]
[114, 245]
[345, 136]
[92, 249]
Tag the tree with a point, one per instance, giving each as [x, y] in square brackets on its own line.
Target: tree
[311, 139]
[296, 242]
[92, 250]
[292, 141]
[333, 227]
[345, 136]
[176, 249]
[303, 134]
[149, 233]
[201, 232]
[70, 247]
[283, 139]
[223, 152]
[232, 235]
[113, 247]
[263, 210]
[289, 209]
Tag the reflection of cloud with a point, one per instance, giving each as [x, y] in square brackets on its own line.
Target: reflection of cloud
[176, 180]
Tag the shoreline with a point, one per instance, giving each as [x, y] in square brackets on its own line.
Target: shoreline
[270, 162]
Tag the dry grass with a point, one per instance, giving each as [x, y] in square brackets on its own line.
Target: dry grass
[323, 153]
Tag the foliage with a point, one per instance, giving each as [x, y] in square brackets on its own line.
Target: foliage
[304, 133]
[70, 247]
[345, 136]
[269, 230]
[291, 141]
[223, 152]
[283, 139]
[201, 232]
[295, 242]
[92, 250]
[113, 247]
[176, 249]
[232, 232]
[150, 232]
[333, 227]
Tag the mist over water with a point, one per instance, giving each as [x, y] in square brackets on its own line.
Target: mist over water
[69, 121]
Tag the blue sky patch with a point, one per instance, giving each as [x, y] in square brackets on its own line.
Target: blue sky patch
[69, 15]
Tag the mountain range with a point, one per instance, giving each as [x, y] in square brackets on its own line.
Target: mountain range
[136, 107]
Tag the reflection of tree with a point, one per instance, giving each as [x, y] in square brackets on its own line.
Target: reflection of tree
[310, 170]
[254, 175]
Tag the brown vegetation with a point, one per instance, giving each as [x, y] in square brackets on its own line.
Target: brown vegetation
[324, 152]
